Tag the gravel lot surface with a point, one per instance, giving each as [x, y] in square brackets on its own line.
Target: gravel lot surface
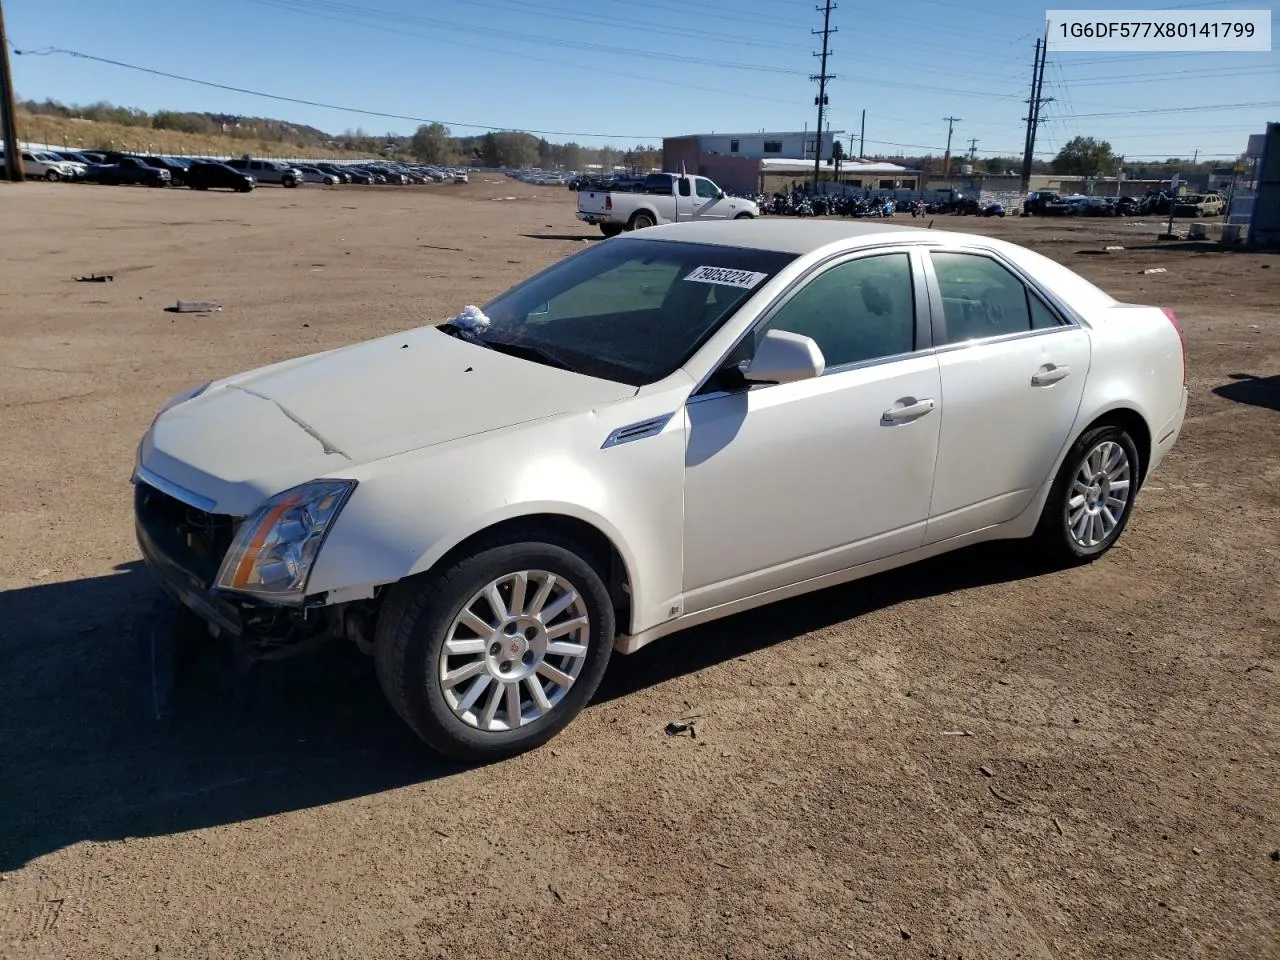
[1126, 713]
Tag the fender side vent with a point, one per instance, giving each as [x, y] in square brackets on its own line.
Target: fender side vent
[637, 431]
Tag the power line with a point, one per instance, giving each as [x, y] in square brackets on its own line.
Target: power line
[330, 106]
[313, 8]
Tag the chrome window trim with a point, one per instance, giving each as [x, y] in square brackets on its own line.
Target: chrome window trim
[919, 290]
[172, 489]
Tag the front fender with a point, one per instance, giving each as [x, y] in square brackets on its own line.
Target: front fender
[408, 511]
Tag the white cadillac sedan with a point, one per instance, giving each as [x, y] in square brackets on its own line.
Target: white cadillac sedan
[660, 430]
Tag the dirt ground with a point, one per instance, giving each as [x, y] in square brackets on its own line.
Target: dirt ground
[1126, 713]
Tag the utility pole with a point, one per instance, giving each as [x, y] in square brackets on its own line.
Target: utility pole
[973, 149]
[8, 126]
[862, 136]
[821, 99]
[1033, 107]
[946, 157]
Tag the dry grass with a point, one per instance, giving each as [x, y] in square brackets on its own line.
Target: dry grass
[93, 135]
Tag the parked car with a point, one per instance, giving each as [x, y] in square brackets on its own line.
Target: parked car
[207, 175]
[177, 168]
[1200, 205]
[992, 210]
[667, 197]
[337, 170]
[460, 176]
[492, 506]
[50, 166]
[129, 170]
[1095, 207]
[1036, 200]
[316, 175]
[268, 171]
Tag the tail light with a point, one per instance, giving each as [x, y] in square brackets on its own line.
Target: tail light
[608, 202]
[1182, 343]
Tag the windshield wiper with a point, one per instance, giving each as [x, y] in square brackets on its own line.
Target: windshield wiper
[527, 351]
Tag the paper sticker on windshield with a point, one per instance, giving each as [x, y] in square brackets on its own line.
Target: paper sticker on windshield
[727, 277]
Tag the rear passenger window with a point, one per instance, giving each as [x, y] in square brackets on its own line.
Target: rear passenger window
[981, 298]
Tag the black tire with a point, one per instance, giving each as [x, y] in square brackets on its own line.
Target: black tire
[610, 229]
[640, 221]
[289, 182]
[199, 186]
[744, 216]
[415, 623]
[53, 176]
[1053, 534]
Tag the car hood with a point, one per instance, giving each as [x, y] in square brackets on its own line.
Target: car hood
[252, 435]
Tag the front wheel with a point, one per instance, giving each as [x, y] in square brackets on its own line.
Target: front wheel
[744, 216]
[53, 176]
[497, 653]
[289, 182]
[1092, 497]
[610, 229]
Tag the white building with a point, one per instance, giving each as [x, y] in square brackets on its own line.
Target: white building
[759, 146]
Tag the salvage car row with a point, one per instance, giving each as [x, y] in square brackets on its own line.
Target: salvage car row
[241, 174]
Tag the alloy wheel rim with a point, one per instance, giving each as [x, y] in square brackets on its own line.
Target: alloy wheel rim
[1099, 495]
[514, 650]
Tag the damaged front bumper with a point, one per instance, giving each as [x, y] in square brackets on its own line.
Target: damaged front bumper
[185, 544]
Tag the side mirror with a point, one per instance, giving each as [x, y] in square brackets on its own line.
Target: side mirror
[784, 357]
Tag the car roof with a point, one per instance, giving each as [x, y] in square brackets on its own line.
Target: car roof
[798, 236]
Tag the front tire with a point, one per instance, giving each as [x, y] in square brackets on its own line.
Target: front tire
[497, 653]
[290, 182]
[744, 216]
[53, 176]
[1091, 498]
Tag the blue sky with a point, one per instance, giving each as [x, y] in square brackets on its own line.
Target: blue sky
[623, 72]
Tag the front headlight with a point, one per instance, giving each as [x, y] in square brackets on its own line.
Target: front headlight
[275, 548]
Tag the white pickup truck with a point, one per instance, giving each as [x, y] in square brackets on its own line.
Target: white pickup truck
[663, 198]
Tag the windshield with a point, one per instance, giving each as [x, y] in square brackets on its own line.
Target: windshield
[628, 310]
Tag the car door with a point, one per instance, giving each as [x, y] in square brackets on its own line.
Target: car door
[785, 482]
[1013, 369]
[707, 203]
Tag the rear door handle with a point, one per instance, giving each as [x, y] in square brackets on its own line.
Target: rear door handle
[1050, 373]
[907, 409]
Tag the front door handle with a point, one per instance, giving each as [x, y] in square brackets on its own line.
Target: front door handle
[907, 409]
[1050, 373]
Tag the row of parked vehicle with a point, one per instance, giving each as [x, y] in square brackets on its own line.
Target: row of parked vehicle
[241, 174]
[1045, 203]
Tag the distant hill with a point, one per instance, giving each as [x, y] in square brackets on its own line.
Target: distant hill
[105, 126]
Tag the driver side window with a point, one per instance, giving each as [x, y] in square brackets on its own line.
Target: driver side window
[858, 310]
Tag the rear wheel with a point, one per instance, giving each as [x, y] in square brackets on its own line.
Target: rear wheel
[497, 653]
[610, 229]
[640, 221]
[1092, 497]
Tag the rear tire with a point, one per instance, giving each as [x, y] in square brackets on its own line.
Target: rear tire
[640, 221]
[503, 657]
[1091, 498]
[610, 229]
